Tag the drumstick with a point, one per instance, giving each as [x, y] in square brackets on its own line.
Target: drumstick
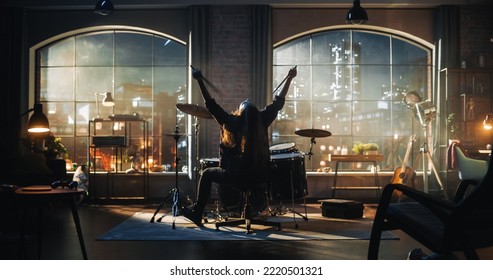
[210, 84]
[282, 82]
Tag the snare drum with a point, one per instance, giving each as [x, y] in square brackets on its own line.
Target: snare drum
[288, 180]
[282, 148]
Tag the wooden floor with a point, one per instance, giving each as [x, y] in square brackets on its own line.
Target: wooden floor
[60, 241]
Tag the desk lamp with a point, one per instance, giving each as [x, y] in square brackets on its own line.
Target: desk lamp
[108, 101]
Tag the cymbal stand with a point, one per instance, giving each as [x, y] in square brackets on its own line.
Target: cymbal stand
[197, 160]
[174, 194]
[312, 141]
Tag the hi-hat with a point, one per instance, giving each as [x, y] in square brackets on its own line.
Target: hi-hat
[194, 110]
[312, 132]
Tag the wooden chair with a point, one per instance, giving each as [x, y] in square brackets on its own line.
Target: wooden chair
[445, 227]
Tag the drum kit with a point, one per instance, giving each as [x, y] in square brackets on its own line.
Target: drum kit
[285, 160]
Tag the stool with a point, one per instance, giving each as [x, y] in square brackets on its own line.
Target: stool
[246, 215]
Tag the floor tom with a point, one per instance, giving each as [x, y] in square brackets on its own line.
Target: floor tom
[288, 178]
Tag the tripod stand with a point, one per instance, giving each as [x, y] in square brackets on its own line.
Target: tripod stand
[174, 194]
[425, 155]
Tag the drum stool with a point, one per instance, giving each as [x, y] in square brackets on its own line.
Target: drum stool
[246, 216]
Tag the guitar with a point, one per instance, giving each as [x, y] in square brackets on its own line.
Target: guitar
[405, 175]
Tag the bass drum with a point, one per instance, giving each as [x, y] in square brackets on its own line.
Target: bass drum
[288, 178]
[282, 148]
[232, 199]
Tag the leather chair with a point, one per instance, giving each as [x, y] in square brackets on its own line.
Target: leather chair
[444, 227]
[247, 190]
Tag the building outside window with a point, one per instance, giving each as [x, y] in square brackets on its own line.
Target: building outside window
[145, 73]
[352, 83]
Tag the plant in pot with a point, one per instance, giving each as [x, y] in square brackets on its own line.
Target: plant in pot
[362, 148]
[55, 148]
[371, 148]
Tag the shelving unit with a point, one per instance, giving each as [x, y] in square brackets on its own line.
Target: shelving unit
[118, 153]
[466, 92]
[469, 94]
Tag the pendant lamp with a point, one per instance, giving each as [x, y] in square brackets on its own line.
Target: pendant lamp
[356, 15]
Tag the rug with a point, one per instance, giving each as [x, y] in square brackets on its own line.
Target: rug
[317, 227]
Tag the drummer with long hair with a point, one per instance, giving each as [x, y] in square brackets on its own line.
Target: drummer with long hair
[244, 155]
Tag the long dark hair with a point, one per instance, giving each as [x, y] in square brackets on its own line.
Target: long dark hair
[251, 138]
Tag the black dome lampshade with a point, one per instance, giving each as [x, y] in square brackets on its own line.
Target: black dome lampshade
[38, 122]
[356, 15]
[108, 100]
[104, 7]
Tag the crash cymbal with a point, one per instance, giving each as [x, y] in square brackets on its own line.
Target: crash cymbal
[194, 110]
[312, 132]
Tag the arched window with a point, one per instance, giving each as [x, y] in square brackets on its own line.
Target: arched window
[146, 73]
[353, 83]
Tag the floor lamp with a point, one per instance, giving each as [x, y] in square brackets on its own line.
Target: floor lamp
[488, 124]
[38, 125]
[426, 112]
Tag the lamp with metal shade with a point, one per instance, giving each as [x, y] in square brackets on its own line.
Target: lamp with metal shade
[38, 123]
[104, 7]
[356, 15]
[108, 101]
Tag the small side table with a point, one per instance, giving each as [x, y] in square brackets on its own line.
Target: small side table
[43, 195]
[357, 158]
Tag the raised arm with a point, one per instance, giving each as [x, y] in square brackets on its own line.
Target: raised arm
[197, 75]
[291, 74]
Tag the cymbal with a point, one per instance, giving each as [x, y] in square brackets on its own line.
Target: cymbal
[194, 110]
[312, 132]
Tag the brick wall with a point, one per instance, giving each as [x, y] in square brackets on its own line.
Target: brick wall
[476, 30]
[232, 53]
[231, 58]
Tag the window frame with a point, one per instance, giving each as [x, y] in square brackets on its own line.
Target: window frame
[34, 66]
[430, 92]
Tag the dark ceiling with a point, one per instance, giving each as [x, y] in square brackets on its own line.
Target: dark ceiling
[140, 4]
